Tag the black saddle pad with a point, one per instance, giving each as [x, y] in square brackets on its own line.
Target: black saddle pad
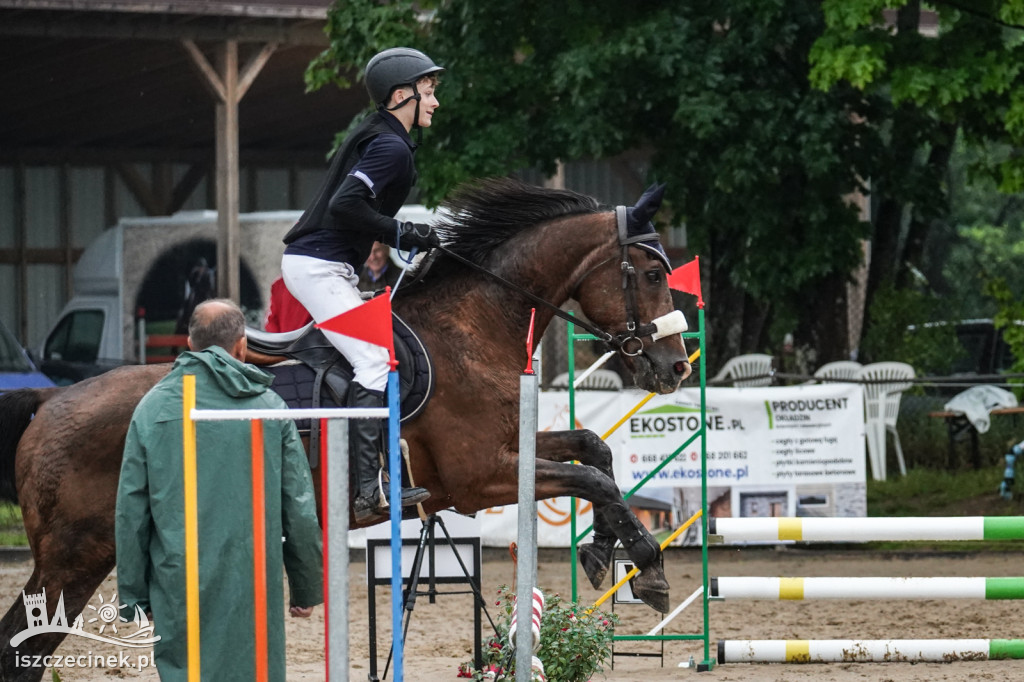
[294, 381]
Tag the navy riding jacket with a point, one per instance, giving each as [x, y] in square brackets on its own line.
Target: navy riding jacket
[368, 181]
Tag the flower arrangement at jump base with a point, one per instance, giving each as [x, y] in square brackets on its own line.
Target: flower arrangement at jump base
[574, 644]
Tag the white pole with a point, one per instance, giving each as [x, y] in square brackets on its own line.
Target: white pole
[866, 588]
[866, 650]
[526, 571]
[337, 549]
[859, 529]
[590, 370]
[297, 413]
[675, 612]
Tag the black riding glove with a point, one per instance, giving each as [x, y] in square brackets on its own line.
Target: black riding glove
[419, 235]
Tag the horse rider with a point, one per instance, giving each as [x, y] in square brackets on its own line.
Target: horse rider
[368, 181]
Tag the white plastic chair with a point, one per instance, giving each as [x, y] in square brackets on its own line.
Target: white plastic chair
[741, 367]
[841, 369]
[599, 380]
[882, 408]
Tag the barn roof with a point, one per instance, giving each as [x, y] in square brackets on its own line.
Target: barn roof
[110, 79]
[309, 9]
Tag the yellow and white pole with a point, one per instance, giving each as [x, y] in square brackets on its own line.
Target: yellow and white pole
[191, 528]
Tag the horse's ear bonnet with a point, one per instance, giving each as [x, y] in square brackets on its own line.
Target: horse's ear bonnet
[639, 225]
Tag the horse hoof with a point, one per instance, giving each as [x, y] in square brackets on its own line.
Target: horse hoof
[651, 587]
[595, 563]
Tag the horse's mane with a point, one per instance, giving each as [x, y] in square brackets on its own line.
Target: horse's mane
[482, 215]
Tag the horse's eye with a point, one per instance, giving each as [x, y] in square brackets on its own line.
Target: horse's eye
[654, 276]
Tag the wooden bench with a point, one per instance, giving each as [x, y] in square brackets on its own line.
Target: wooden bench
[957, 424]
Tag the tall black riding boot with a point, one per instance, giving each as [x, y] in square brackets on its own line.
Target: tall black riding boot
[366, 446]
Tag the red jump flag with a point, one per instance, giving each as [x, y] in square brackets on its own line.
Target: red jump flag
[370, 322]
[686, 278]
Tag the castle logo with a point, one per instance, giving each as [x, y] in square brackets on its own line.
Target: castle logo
[106, 613]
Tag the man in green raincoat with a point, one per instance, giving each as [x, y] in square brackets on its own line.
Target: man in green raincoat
[150, 517]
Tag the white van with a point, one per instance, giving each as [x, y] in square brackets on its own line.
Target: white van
[133, 279]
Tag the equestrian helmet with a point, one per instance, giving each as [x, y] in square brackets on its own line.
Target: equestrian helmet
[394, 68]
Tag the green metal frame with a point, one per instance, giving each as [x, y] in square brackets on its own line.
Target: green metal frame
[704, 636]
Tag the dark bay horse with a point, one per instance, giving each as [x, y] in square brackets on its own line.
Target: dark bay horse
[63, 464]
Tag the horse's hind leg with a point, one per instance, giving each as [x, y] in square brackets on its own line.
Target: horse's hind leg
[24, 662]
[612, 518]
[72, 562]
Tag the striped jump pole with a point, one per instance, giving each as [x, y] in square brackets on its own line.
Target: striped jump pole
[866, 588]
[259, 548]
[335, 525]
[395, 496]
[874, 529]
[191, 486]
[867, 650]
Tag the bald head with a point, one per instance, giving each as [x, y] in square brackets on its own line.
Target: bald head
[218, 322]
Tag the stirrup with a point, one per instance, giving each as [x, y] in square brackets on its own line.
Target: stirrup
[378, 502]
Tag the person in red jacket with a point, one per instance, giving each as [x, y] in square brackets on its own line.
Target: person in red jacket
[285, 312]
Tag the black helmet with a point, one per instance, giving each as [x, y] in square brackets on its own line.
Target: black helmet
[396, 67]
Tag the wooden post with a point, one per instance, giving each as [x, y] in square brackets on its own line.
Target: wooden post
[227, 176]
[228, 86]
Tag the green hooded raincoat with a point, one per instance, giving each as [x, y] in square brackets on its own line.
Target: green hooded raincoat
[150, 520]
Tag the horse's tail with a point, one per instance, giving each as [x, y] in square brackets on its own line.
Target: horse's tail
[16, 411]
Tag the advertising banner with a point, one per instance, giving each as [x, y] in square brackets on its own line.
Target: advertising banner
[773, 451]
[756, 436]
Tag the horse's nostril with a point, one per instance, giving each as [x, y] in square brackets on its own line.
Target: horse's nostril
[680, 367]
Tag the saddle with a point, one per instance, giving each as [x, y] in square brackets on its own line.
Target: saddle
[312, 373]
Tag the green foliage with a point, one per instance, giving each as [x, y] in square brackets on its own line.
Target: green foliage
[971, 72]
[1008, 318]
[574, 643]
[926, 492]
[359, 29]
[984, 236]
[12, 528]
[858, 64]
[899, 332]
[931, 492]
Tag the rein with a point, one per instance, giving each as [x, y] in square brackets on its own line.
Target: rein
[599, 333]
[633, 330]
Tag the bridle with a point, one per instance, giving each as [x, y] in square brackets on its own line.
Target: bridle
[621, 342]
[634, 330]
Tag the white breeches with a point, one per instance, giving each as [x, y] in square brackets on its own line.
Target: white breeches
[328, 289]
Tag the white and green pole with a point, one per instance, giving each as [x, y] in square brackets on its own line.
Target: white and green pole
[867, 650]
[735, 587]
[873, 529]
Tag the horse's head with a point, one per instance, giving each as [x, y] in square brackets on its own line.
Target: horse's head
[627, 295]
[613, 265]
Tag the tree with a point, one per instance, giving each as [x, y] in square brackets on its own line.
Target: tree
[962, 80]
[712, 96]
[983, 238]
